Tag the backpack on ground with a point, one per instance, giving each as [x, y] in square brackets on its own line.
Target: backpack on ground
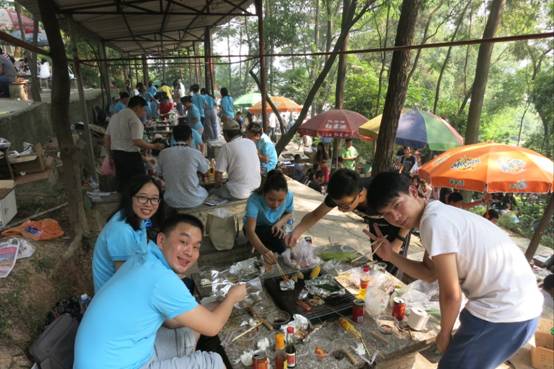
[53, 349]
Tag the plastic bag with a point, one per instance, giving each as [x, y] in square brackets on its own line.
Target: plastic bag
[301, 256]
[376, 301]
[45, 229]
[107, 168]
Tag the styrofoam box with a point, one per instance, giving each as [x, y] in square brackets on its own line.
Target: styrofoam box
[8, 206]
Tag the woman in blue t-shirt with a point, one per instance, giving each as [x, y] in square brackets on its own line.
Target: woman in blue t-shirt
[267, 211]
[125, 232]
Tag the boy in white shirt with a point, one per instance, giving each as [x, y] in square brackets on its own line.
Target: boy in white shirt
[465, 252]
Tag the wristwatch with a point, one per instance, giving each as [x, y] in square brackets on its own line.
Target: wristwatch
[399, 237]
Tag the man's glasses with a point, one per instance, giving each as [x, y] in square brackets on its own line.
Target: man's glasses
[349, 205]
[143, 200]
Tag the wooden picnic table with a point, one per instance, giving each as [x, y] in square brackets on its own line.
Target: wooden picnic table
[329, 335]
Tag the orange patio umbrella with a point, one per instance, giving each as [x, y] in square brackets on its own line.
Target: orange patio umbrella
[490, 167]
[282, 103]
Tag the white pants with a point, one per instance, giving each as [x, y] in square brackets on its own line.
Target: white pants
[175, 349]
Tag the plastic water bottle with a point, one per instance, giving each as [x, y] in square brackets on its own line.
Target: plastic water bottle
[84, 300]
[289, 227]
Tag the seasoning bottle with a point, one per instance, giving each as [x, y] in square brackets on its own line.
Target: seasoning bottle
[364, 282]
[280, 354]
[290, 349]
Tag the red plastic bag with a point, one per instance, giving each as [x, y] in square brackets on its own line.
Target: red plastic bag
[108, 167]
[45, 229]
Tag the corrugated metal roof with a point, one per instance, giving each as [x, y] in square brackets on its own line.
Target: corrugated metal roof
[145, 26]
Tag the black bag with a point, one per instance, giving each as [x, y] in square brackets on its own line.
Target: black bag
[53, 349]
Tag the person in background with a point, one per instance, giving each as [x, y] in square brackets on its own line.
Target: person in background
[226, 103]
[122, 102]
[178, 89]
[145, 316]
[44, 73]
[266, 148]
[239, 158]
[200, 102]
[8, 74]
[298, 171]
[125, 232]
[548, 293]
[196, 140]
[349, 155]
[407, 161]
[238, 118]
[179, 165]
[166, 105]
[457, 200]
[492, 215]
[210, 114]
[463, 252]
[168, 91]
[316, 182]
[267, 211]
[322, 160]
[123, 140]
[152, 90]
[418, 162]
[192, 114]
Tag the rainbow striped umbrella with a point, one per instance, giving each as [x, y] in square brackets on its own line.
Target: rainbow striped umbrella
[418, 128]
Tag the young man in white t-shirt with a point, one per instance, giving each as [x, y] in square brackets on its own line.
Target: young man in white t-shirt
[464, 252]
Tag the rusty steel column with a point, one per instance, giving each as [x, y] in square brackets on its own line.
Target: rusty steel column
[263, 71]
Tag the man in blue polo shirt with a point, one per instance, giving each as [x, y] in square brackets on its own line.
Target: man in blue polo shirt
[266, 148]
[122, 327]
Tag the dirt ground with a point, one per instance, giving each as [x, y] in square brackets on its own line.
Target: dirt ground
[37, 283]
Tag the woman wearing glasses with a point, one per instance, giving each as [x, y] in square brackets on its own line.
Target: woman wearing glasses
[125, 232]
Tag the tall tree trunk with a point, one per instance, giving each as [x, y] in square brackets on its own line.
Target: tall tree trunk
[35, 82]
[60, 117]
[285, 139]
[546, 218]
[341, 69]
[316, 23]
[447, 57]
[398, 85]
[383, 60]
[424, 39]
[482, 74]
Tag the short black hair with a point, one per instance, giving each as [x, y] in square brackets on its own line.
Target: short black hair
[136, 101]
[455, 197]
[186, 99]
[195, 87]
[255, 128]
[224, 91]
[182, 132]
[171, 223]
[203, 91]
[123, 94]
[492, 214]
[548, 282]
[384, 187]
[344, 182]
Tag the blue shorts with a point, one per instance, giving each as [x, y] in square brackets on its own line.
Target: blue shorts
[479, 344]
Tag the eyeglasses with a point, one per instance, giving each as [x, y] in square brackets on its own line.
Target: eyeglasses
[143, 200]
[349, 205]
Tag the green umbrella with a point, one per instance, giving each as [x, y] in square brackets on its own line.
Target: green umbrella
[248, 99]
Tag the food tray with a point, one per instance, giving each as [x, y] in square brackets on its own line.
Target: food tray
[286, 300]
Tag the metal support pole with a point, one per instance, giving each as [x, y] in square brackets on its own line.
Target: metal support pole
[105, 75]
[145, 76]
[263, 71]
[208, 66]
[196, 65]
[88, 136]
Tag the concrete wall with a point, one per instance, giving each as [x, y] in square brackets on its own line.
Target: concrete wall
[32, 123]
